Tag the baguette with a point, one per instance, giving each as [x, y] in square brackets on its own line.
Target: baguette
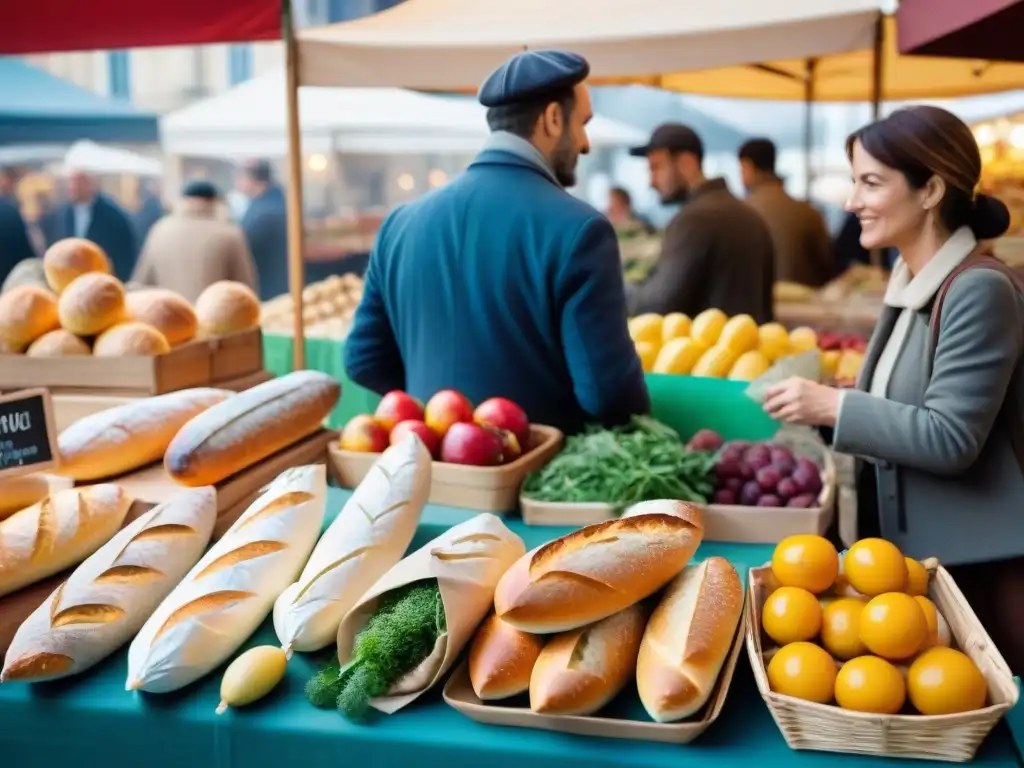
[370, 535]
[58, 532]
[109, 597]
[580, 671]
[598, 570]
[230, 591]
[16, 493]
[130, 436]
[688, 639]
[249, 427]
[501, 659]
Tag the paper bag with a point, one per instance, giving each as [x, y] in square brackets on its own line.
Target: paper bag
[467, 561]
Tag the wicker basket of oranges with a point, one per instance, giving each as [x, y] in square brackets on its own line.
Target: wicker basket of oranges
[872, 653]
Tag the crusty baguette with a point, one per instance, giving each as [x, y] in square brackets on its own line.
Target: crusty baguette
[16, 493]
[688, 639]
[501, 659]
[130, 436]
[369, 535]
[58, 532]
[109, 596]
[580, 671]
[230, 591]
[249, 427]
[598, 570]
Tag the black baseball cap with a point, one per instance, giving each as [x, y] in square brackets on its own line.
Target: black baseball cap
[675, 137]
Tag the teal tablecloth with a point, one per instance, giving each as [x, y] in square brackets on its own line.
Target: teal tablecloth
[91, 721]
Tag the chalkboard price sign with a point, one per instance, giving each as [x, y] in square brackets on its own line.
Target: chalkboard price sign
[27, 433]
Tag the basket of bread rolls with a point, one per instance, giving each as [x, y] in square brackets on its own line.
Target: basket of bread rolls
[872, 652]
[328, 307]
[587, 624]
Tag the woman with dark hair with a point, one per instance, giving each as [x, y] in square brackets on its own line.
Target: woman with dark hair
[936, 412]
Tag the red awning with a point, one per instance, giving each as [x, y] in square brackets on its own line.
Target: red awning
[968, 29]
[41, 26]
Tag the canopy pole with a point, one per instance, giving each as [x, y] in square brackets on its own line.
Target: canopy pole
[809, 77]
[296, 266]
[877, 77]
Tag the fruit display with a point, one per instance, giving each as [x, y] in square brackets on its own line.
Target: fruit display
[327, 308]
[764, 474]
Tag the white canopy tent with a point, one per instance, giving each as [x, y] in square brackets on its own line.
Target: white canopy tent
[96, 158]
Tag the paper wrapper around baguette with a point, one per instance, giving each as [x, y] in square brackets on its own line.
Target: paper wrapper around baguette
[230, 591]
[109, 596]
[467, 561]
[369, 535]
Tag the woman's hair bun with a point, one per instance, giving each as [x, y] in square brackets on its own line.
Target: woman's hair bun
[990, 218]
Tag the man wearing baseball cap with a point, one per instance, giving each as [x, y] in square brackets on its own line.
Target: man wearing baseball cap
[716, 251]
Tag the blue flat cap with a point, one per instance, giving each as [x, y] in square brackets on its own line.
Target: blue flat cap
[532, 75]
[200, 188]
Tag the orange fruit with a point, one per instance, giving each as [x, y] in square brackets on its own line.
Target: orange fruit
[917, 577]
[943, 681]
[874, 567]
[870, 684]
[840, 628]
[931, 616]
[806, 561]
[791, 614]
[893, 626]
[804, 671]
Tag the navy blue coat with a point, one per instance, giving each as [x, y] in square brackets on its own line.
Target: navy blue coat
[265, 224]
[500, 284]
[15, 246]
[110, 228]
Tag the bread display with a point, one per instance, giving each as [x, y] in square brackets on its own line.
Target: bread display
[91, 303]
[73, 256]
[247, 428]
[58, 532]
[22, 491]
[131, 339]
[227, 307]
[167, 311]
[130, 436]
[501, 659]
[366, 539]
[109, 596]
[327, 308]
[599, 570]
[26, 313]
[688, 638]
[580, 671]
[230, 591]
[58, 343]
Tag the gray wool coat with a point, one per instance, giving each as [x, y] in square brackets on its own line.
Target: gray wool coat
[949, 482]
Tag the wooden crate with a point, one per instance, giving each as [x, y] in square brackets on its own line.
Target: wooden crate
[236, 355]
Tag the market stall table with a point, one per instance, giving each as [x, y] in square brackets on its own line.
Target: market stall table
[93, 719]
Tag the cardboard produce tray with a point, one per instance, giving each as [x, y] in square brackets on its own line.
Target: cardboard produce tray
[485, 489]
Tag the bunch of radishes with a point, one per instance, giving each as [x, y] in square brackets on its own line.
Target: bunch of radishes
[765, 474]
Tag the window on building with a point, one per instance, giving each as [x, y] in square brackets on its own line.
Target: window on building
[119, 80]
[239, 63]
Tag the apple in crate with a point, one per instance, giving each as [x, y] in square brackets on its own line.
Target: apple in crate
[425, 433]
[397, 406]
[473, 445]
[446, 408]
[364, 434]
[502, 413]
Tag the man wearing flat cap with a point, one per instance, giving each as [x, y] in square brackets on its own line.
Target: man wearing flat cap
[716, 251]
[502, 283]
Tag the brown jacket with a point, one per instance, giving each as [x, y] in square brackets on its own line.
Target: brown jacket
[715, 253]
[191, 248]
[803, 248]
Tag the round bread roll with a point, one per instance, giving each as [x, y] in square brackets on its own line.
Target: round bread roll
[73, 256]
[131, 339]
[58, 343]
[91, 304]
[166, 311]
[227, 307]
[26, 313]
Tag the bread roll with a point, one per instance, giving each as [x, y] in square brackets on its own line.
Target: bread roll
[73, 256]
[227, 307]
[598, 570]
[130, 436]
[166, 311]
[688, 639]
[58, 532]
[249, 427]
[109, 597]
[91, 303]
[58, 343]
[132, 339]
[501, 659]
[26, 313]
[229, 593]
[578, 672]
[16, 493]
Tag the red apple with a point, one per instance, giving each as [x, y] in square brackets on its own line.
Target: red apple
[364, 434]
[426, 434]
[397, 406]
[445, 408]
[502, 413]
[472, 444]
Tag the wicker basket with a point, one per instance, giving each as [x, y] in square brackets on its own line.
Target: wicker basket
[827, 728]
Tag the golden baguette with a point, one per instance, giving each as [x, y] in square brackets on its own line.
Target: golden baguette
[501, 659]
[16, 493]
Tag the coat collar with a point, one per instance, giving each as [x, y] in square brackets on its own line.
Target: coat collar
[504, 148]
[916, 291]
[708, 187]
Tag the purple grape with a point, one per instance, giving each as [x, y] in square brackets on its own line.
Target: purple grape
[739, 445]
[768, 478]
[781, 454]
[804, 502]
[803, 461]
[758, 456]
[785, 465]
[746, 471]
[734, 484]
[725, 496]
[705, 440]
[786, 489]
[726, 468]
[769, 500]
[750, 493]
[807, 481]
